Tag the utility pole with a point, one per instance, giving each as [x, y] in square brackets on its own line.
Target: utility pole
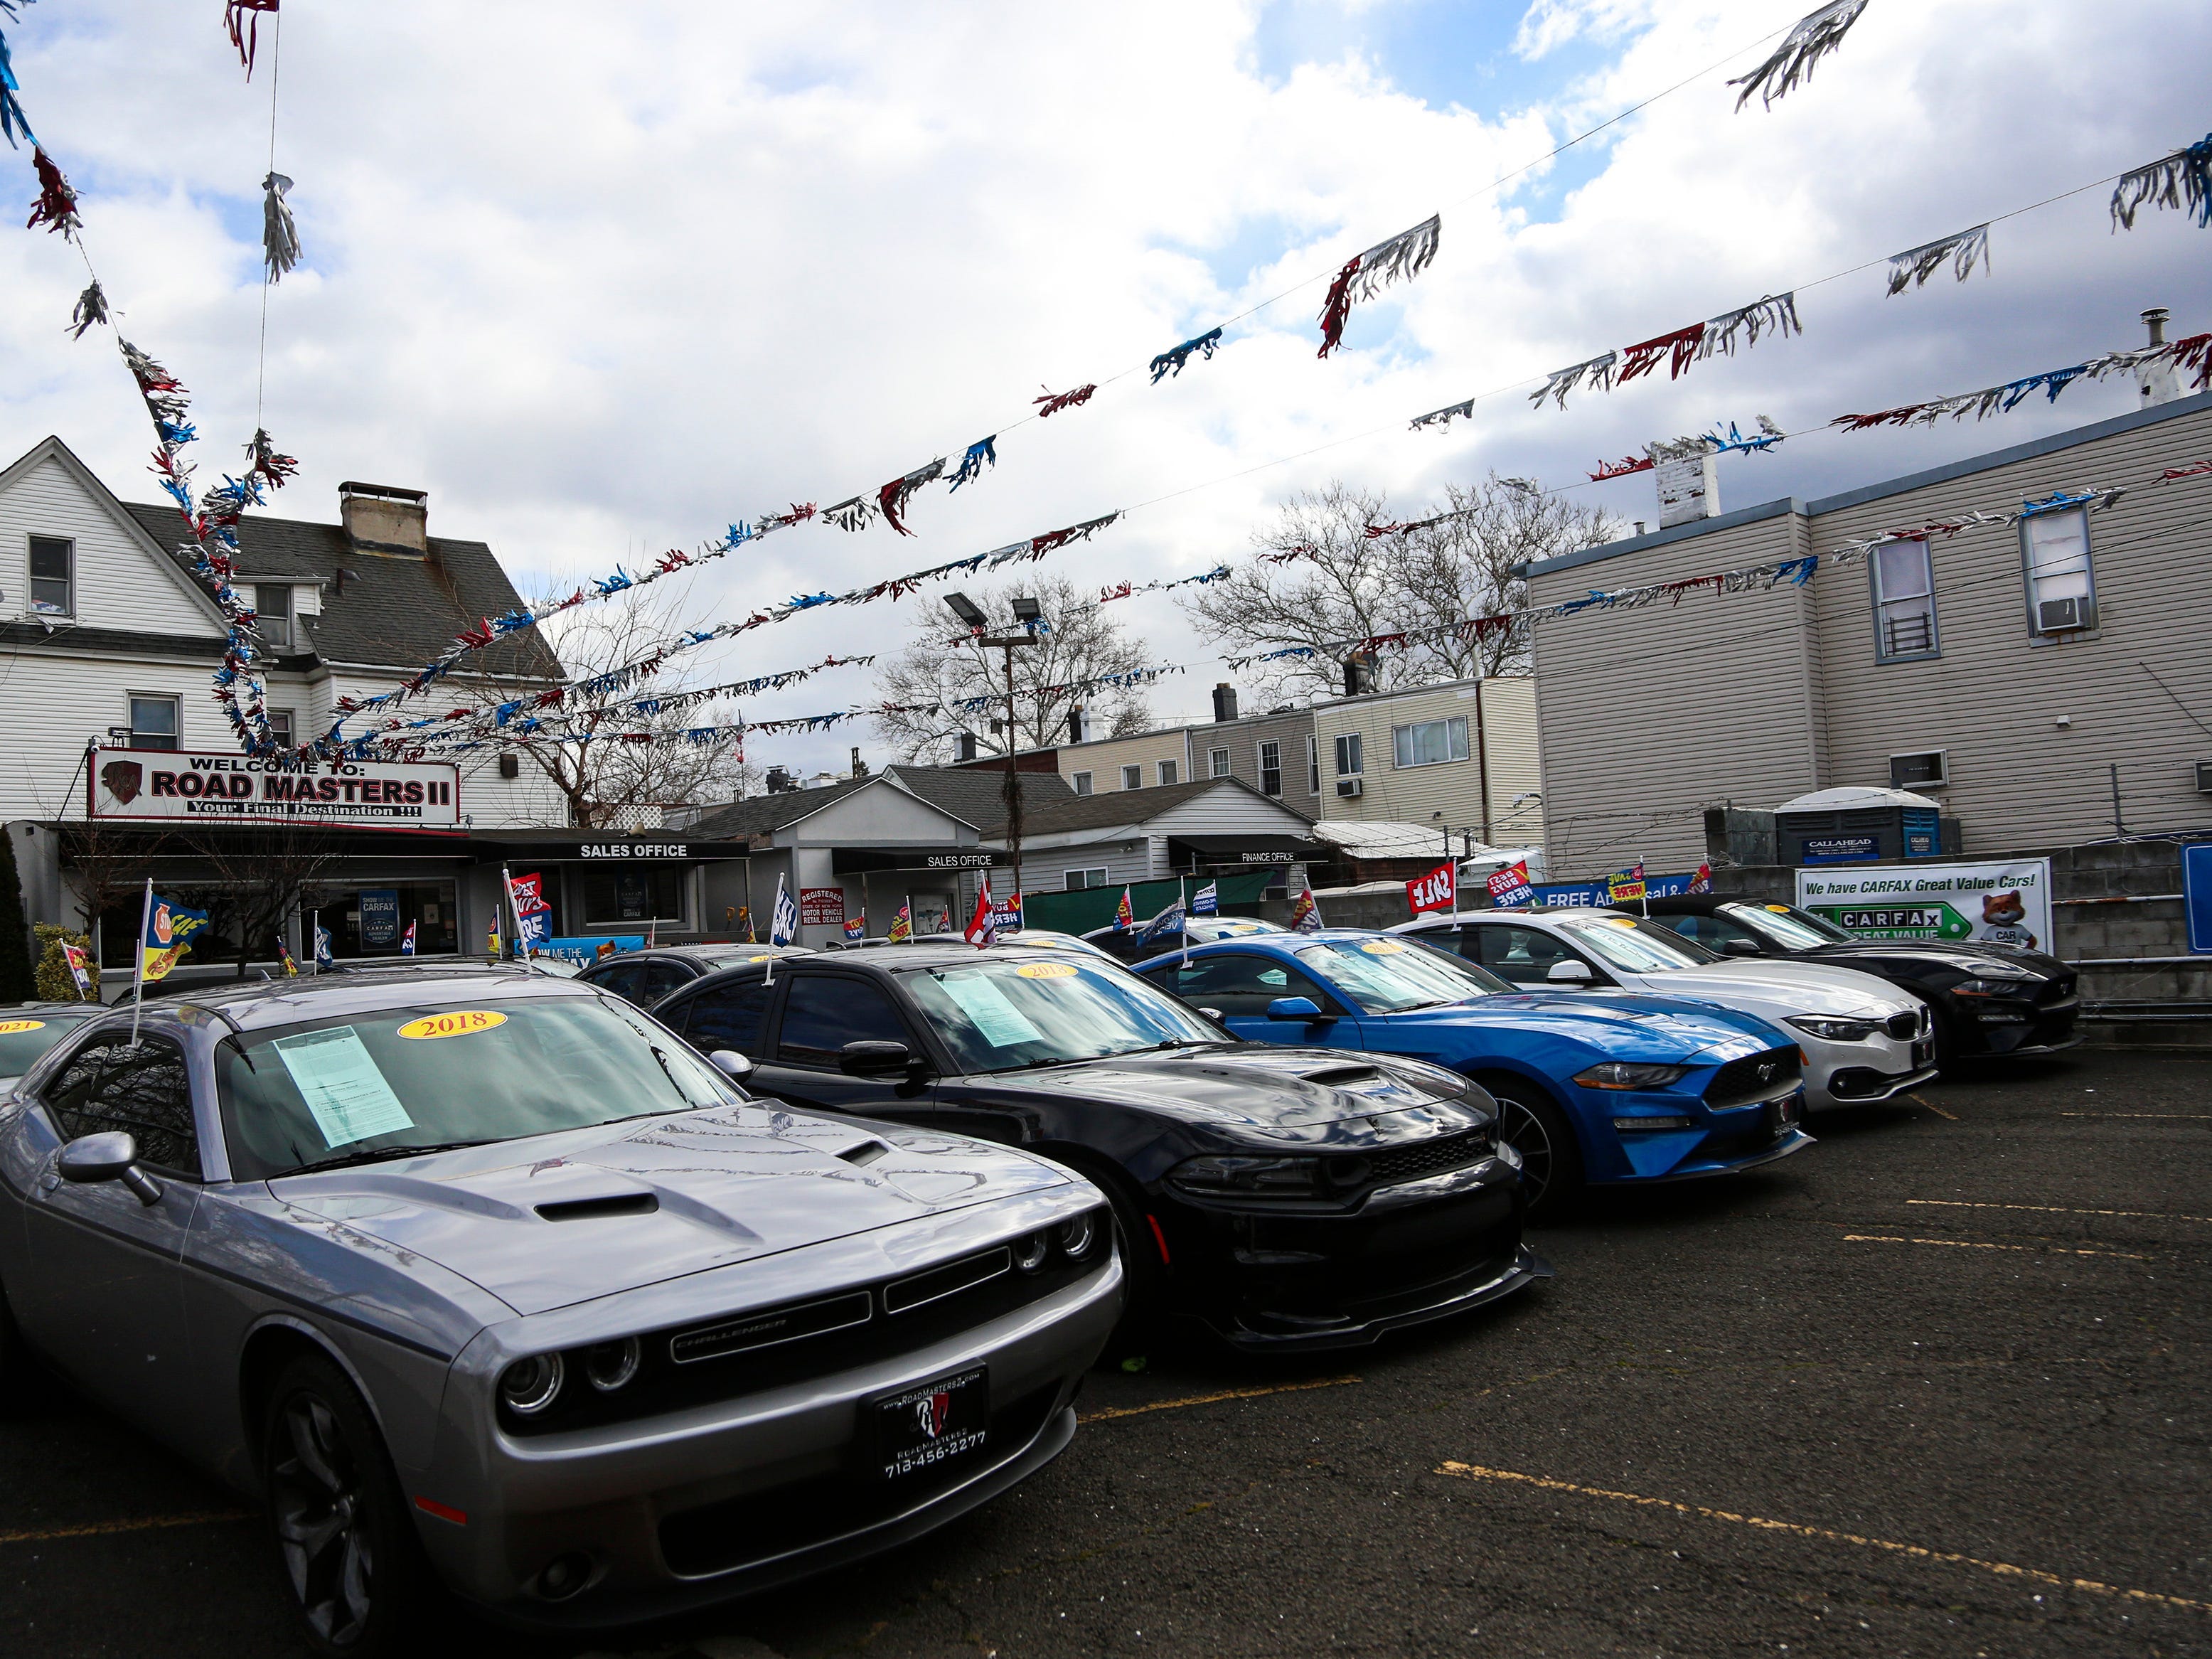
[1029, 613]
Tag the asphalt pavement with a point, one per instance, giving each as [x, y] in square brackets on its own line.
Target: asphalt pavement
[1934, 1386]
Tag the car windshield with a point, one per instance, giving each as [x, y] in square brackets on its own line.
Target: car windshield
[1005, 1013]
[1391, 975]
[1786, 925]
[1636, 945]
[446, 1073]
[1214, 928]
[25, 1038]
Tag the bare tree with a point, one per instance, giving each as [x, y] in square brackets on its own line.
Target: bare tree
[259, 876]
[1346, 584]
[1082, 640]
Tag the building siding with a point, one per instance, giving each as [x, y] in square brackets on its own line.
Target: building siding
[1502, 739]
[1105, 758]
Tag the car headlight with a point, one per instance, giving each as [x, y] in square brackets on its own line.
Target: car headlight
[528, 1386]
[1030, 1252]
[1077, 1236]
[611, 1365]
[1257, 1177]
[1835, 1030]
[1997, 967]
[1996, 985]
[1628, 1074]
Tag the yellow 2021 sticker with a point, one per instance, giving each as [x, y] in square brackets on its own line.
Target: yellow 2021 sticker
[10, 1027]
[458, 1022]
[1047, 970]
[1382, 947]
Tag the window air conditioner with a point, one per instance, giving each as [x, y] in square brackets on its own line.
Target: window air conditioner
[1351, 789]
[2063, 615]
[2204, 777]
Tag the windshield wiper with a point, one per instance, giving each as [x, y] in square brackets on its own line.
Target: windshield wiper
[383, 1154]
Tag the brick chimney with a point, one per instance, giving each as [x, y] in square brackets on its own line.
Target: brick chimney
[384, 517]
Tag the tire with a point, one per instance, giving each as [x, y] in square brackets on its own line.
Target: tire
[1551, 1158]
[1143, 1277]
[344, 1540]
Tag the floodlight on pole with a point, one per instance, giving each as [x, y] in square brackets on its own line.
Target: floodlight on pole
[967, 610]
[1028, 611]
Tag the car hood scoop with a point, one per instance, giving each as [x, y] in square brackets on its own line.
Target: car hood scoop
[564, 1217]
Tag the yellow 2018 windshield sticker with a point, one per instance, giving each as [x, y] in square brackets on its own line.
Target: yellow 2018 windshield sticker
[1047, 970]
[1382, 947]
[10, 1027]
[459, 1022]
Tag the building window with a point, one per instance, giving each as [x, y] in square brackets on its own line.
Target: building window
[1218, 762]
[1167, 772]
[1929, 769]
[1076, 881]
[153, 722]
[1350, 763]
[272, 610]
[2062, 589]
[1429, 743]
[1313, 766]
[1271, 768]
[1133, 777]
[641, 893]
[1904, 601]
[280, 725]
[1082, 782]
[53, 576]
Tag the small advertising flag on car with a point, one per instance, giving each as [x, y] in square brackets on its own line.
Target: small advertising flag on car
[285, 957]
[323, 962]
[1437, 890]
[902, 924]
[1623, 886]
[1124, 918]
[1703, 881]
[1205, 902]
[783, 920]
[1510, 888]
[856, 928]
[80, 967]
[407, 941]
[983, 926]
[1305, 915]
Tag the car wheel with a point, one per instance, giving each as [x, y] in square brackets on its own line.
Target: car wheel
[359, 1580]
[1551, 1159]
[1143, 1278]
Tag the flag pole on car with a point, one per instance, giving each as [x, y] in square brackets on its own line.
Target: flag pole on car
[138, 992]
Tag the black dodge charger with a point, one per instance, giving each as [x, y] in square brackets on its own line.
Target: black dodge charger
[1987, 998]
[1286, 1198]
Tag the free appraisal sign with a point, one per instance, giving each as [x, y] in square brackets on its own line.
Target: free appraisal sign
[155, 785]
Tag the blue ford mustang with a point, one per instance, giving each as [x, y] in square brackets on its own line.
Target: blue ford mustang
[1593, 1089]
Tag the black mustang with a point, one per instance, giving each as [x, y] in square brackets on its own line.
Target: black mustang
[1987, 998]
[1285, 1197]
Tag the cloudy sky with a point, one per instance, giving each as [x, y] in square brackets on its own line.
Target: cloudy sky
[603, 278]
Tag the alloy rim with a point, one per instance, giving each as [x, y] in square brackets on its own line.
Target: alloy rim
[321, 1525]
[1525, 1133]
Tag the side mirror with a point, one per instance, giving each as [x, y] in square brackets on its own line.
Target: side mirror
[1304, 1008]
[1213, 1014]
[730, 1064]
[1739, 947]
[1568, 972]
[874, 1058]
[110, 1155]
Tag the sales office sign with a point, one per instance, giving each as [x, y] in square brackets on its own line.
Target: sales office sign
[148, 785]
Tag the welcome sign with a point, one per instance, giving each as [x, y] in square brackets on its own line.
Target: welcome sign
[154, 784]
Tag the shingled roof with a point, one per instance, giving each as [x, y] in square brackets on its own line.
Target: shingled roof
[395, 608]
[764, 815]
[979, 796]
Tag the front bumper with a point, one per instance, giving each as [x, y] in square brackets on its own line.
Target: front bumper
[723, 1500]
[1872, 1069]
[1273, 1277]
[2003, 1027]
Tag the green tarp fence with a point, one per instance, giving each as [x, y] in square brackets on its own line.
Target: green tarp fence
[1093, 907]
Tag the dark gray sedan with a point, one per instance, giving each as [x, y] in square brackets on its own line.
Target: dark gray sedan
[485, 1278]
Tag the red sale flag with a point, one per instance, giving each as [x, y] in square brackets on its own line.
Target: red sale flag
[1703, 881]
[983, 926]
[1124, 917]
[1437, 890]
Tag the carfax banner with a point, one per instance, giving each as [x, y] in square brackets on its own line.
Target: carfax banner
[146, 785]
[1996, 903]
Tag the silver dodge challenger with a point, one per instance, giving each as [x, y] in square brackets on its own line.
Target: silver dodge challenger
[483, 1280]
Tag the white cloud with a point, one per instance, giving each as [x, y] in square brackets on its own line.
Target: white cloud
[1550, 24]
[603, 279]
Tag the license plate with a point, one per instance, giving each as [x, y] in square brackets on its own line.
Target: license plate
[1782, 1116]
[1924, 1053]
[927, 1425]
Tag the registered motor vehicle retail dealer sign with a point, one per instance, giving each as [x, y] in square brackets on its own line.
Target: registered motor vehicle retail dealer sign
[1994, 904]
[153, 785]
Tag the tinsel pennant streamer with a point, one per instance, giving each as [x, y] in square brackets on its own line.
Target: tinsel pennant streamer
[2196, 352]
[2173, 472]
[1598, 371]
[1774, 314]
[892, 498]
[55, 206]
[280, 237]
[1621, 468]
[857, 514]
[1816, 35]
[245, 28]
[1130, 590]
[1171, 362]
[1053, 402]
[982, 453]
[1735, 442]
[91, 308]
[2183, 179]
[1647, 355]
[1913, 267]
[1444, 416]
[13, 121]
[1402, 258]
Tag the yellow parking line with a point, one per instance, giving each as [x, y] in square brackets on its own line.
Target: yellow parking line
[2164, 1117]
[2054, 1209]
[143, 1524]
[1976, 1244]
[1211, 1399]
[2003, 1569]
[1932, 1107]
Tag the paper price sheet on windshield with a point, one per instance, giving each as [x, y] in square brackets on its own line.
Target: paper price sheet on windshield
[1002, 1025]
[344, 1092]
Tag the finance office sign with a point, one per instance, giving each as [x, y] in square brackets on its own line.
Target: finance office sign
[154, 786]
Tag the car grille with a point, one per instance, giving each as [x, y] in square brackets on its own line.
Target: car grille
[1906, 1025]
[1754, 1078]
[1402, 1163]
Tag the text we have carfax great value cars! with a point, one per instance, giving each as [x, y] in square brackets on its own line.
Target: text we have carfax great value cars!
[481, 1276]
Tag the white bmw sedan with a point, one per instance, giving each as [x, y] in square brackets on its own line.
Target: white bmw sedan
[1864, 1040]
